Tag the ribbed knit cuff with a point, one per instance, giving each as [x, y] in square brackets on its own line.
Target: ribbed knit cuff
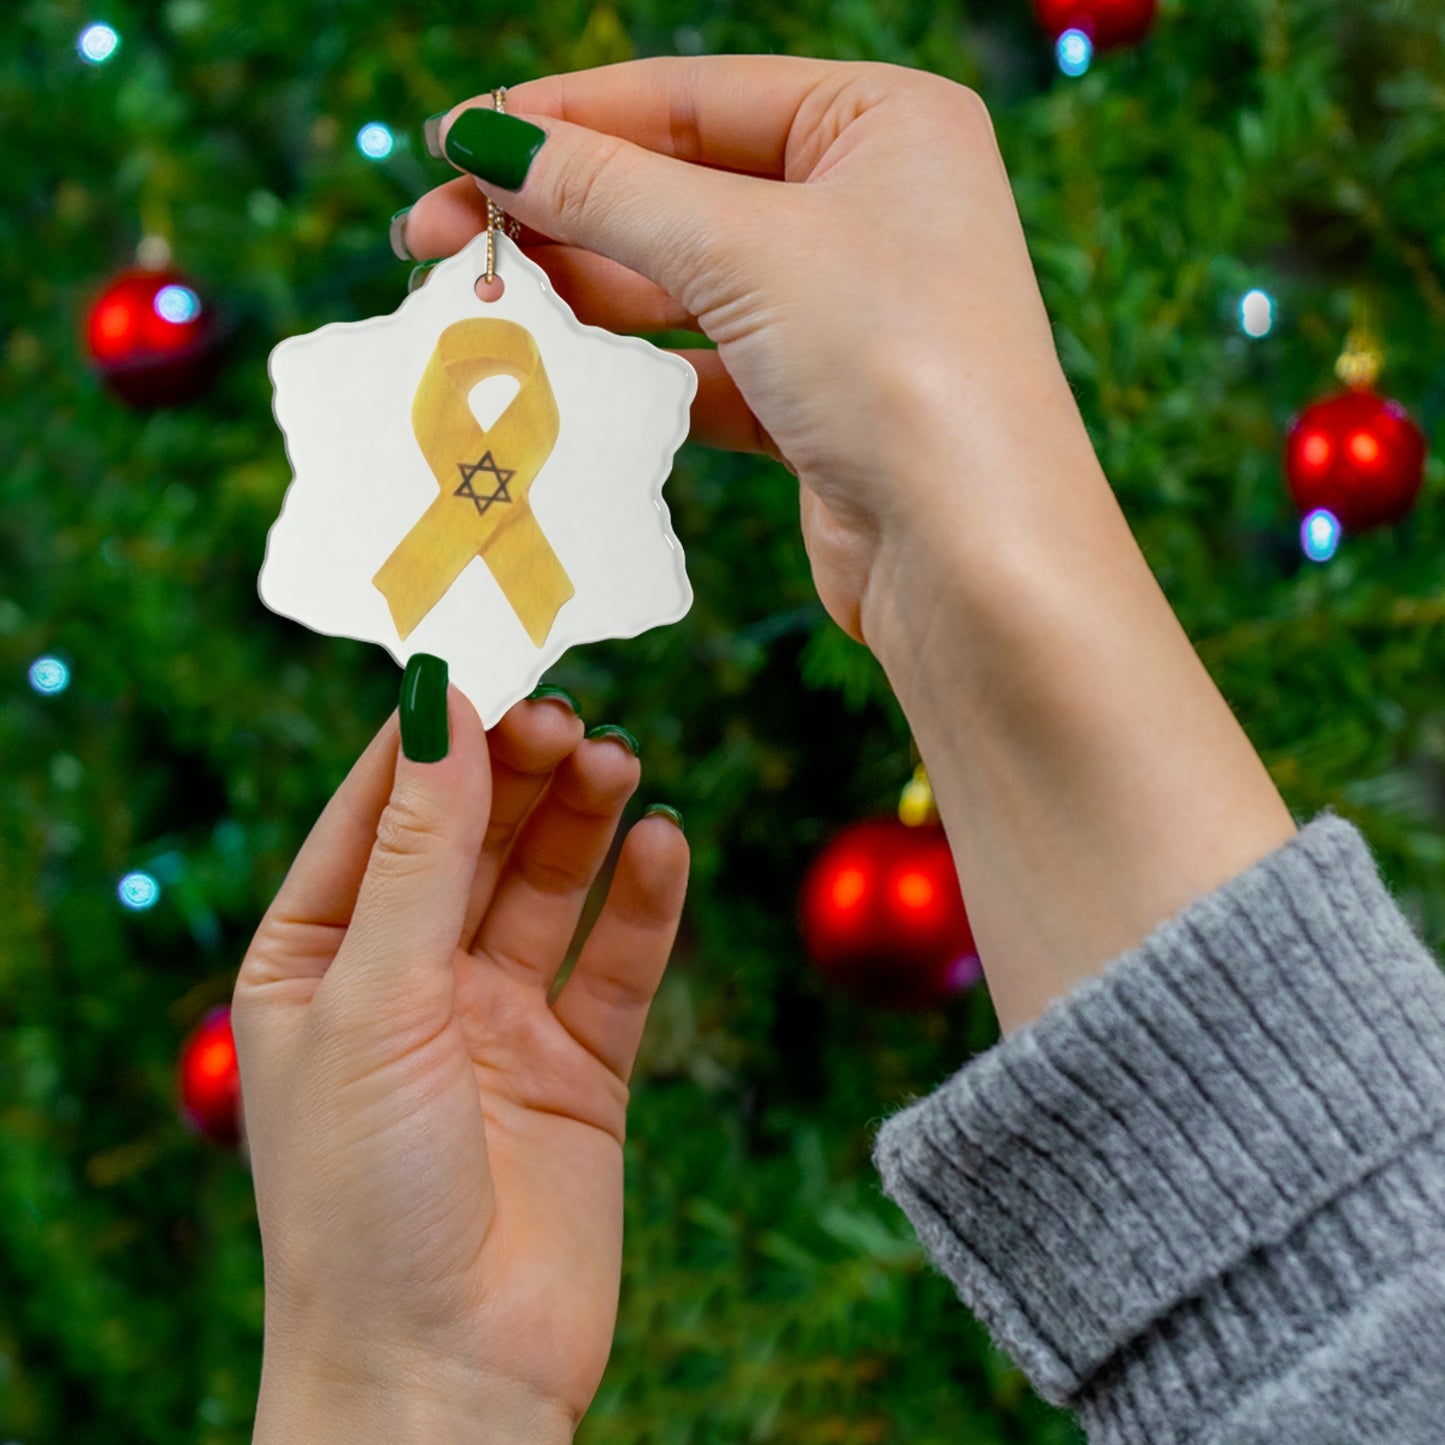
[1192, 1116]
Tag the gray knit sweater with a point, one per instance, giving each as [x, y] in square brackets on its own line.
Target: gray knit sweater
[1202, 1199]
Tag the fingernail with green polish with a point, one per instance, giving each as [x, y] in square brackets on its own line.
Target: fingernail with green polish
[499, 148]
[550, 689]
[612, 730]
[670, 813]
[397, 235]
[431, 133]
[424, 734]
[418, 276]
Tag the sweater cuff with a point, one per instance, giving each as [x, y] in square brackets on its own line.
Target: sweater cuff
[1255, 1058]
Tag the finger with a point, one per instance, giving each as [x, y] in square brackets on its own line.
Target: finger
[396, 963]
[543, 887]
[720, 415]
[301, 930]
[603, 293]
[606, 998]
[526, 746]
[659, 217]
[443, 220]
[598, 290]
[737, 112]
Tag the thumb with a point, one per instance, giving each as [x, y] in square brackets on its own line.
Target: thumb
[664, 218]
[413, 898]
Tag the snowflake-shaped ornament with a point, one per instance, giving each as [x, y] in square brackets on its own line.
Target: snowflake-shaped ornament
[478, 480]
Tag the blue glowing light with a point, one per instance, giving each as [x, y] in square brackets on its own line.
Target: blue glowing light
[1320, 535]
[97, 44]
[1075, 52]
[177, 304]
[49, 675]
[375, 140]
[138, 891]
[1256, 313]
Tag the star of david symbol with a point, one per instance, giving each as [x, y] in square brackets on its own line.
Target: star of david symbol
[481, 501]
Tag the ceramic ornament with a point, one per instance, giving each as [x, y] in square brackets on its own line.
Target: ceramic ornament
[480, 480]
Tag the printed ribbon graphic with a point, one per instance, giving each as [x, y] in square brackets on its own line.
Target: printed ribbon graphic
[485, 476]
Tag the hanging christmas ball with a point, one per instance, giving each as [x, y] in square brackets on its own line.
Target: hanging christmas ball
[1358, 456]
[883, 917]
[210, 1080]
[152, 338]
[1107, 23]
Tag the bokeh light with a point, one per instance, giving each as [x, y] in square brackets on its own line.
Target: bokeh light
[1256, 313]
[138, 891]
[177, 304]
[49, 675]
[97, 43]
[375, 141]
[1320, 535]
[1075, 52]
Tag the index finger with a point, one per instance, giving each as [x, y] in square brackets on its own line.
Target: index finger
[733, 112]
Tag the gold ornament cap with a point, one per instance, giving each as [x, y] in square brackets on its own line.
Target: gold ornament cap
[915, 804]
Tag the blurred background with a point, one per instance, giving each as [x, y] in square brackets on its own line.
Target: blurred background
[1235, 208]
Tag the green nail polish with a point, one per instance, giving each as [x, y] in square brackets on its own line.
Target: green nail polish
[397, 235]
[664, 810]
[550, 689]
[424, 734]
[418, 276]
[499, 148]
[431, 133]
[612, 730]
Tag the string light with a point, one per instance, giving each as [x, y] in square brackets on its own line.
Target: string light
[49, 675]
[1256, 313]
[1320, 535]
[375, 141]
[1075, 52]
[97, 43]
[138, 891]
[177, 304]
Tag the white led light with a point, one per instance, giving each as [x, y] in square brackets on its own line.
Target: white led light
[1075, 52]
[1256, 313]
[49, 675]
[177, 304]
[138, 891]
[97, 44]
[375, 140]
[1320, 535]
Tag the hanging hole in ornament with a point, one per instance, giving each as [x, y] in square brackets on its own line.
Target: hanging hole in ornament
[490, 290]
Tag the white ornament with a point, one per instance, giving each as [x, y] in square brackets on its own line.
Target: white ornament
[562, 501]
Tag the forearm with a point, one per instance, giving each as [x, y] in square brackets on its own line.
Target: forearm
[1092, 779]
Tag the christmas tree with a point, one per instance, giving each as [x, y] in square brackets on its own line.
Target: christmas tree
[1213, 210]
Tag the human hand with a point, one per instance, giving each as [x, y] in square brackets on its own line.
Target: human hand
[847, 235]
[878, 324]
[437, 1150]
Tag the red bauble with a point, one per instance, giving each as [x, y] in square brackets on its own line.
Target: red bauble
[883, 917]
[210, 1081]
[1359, 456]
[152, 338]
[1107, 23]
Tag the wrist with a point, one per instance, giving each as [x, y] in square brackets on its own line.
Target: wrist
[1092, 779]
[322, 1400]
[989, 474]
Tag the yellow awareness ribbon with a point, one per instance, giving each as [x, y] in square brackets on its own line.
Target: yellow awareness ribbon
[485, 477]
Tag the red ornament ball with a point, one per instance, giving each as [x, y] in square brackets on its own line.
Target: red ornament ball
[1359, 456]
[1107, 23]
[152, 338]
[883, 917]
[210, 1080]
